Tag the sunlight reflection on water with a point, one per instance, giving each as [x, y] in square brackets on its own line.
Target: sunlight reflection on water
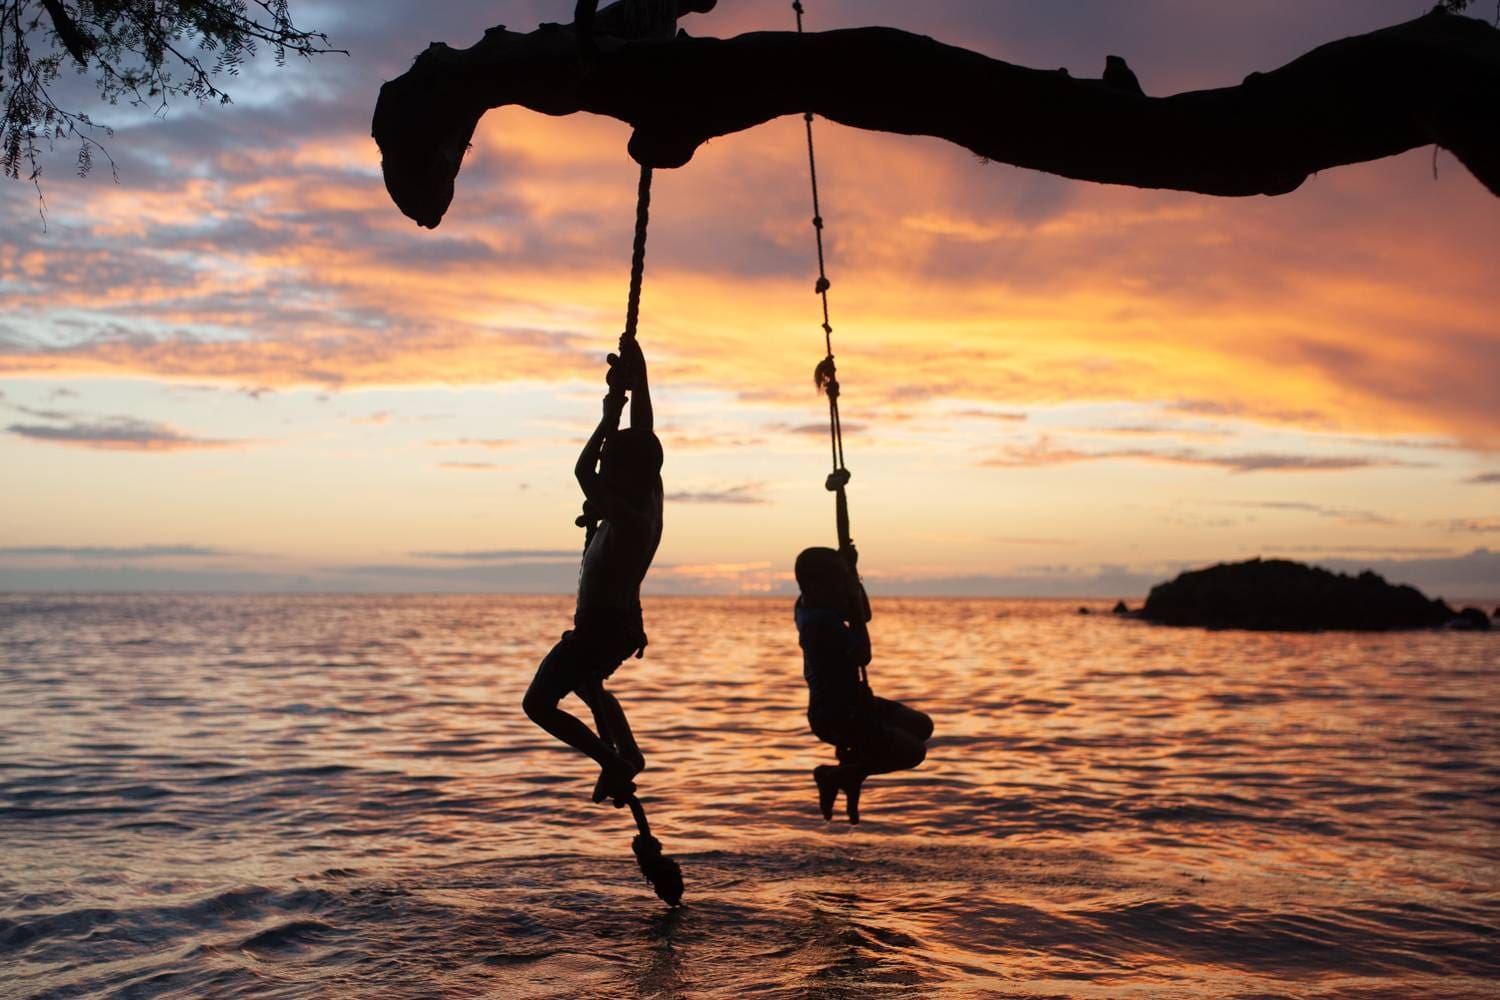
[310, 796]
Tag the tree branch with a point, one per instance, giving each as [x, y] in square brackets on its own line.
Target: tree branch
[1433, 80]
[78, 46]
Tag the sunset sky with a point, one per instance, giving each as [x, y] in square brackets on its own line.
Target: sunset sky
[240, 367]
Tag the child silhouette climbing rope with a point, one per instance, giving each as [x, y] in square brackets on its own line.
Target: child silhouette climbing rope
[620, 473]
[870, 735]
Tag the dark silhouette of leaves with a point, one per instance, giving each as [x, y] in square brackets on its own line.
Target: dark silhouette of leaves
[145, 52]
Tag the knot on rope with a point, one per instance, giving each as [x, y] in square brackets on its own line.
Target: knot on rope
[821, 285]
[825, 377]
[837, 480]
[663, 873]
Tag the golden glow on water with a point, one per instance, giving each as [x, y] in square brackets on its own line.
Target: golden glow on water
[333, 793]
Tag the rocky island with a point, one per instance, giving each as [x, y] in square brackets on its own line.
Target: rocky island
[1282, 595]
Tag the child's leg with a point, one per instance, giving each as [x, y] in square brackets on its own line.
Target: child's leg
[885, 750]
[908, 720]
[612, 723]
[830, 779]
[614, 729]
[880, 750]
[553, 680]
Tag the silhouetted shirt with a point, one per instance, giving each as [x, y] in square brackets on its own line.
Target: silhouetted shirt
[832, 653]
[618, 557]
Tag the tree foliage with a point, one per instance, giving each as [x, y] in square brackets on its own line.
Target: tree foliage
[144, 52]
[1459, 6]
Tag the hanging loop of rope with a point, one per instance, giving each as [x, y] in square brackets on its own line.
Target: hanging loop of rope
[825, 375]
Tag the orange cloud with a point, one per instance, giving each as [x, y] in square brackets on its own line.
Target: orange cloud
[955, 285]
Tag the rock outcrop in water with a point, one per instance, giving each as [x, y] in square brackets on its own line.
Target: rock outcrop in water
[1282, 595]
[1471, 619]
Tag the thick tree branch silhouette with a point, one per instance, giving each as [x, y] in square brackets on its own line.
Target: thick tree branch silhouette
[1434, 80]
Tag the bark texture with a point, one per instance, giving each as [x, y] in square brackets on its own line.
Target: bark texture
[1432, 80]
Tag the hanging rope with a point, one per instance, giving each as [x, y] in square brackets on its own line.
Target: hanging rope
[590, 518]
[638, 252]
[825, 375]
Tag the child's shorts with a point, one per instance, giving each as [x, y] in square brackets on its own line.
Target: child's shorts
[600, 640]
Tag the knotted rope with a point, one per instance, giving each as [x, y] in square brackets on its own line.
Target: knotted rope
[825, 375]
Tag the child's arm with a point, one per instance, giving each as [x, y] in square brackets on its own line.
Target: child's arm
[859, 645]
[858, 610]
[587, 468]
[641, 416]
[859, 601]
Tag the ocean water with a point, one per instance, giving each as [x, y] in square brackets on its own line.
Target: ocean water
[229, 796]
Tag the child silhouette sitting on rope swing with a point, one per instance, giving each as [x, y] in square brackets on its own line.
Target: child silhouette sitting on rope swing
[870, 735]
[620, 473]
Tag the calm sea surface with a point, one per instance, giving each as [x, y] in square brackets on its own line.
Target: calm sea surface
[206, 796]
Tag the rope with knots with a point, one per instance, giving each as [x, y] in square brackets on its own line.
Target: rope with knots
[825, 375]
[590, 518]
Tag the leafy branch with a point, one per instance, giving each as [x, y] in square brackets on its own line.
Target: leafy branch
[145, 52]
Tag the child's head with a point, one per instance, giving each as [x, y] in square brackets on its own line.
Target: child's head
[631, 461]
[823, 577]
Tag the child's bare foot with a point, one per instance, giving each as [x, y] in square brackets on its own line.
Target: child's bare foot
[615, 782]
[827, 777]
[853, 785]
